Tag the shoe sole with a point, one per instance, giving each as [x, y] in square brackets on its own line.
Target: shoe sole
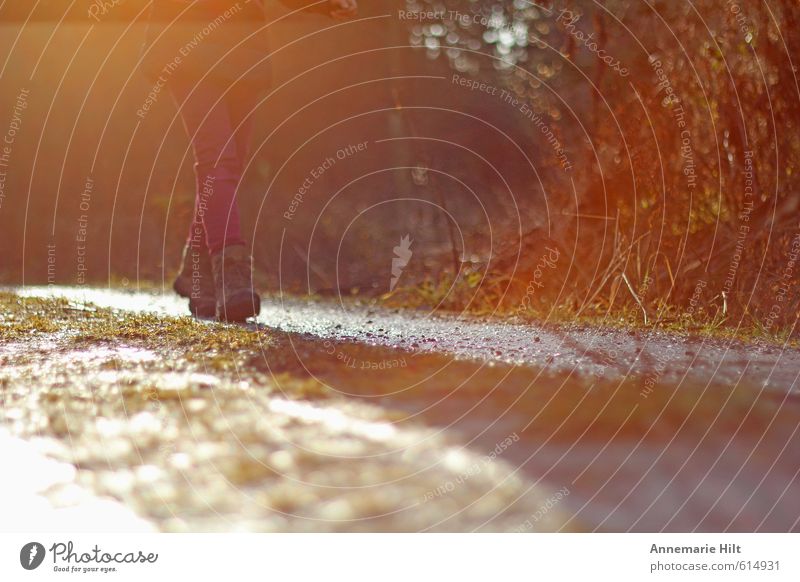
[239, 309]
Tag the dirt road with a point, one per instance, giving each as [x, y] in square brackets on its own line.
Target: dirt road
[427, 423]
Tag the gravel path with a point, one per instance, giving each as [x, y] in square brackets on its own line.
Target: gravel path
[610, 353]
[582, 429]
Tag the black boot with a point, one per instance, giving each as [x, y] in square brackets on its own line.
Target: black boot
[233, 281]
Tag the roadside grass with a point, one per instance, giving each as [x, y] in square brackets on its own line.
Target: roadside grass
[232, 353]
[218, 345]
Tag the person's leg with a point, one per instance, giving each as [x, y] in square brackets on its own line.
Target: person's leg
[207, 120]
[206, 113]
[195, 279]
[241, 100]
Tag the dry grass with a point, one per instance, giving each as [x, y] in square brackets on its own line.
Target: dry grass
[27, 317]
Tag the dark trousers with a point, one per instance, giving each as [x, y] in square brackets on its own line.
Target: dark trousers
[218, 121]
